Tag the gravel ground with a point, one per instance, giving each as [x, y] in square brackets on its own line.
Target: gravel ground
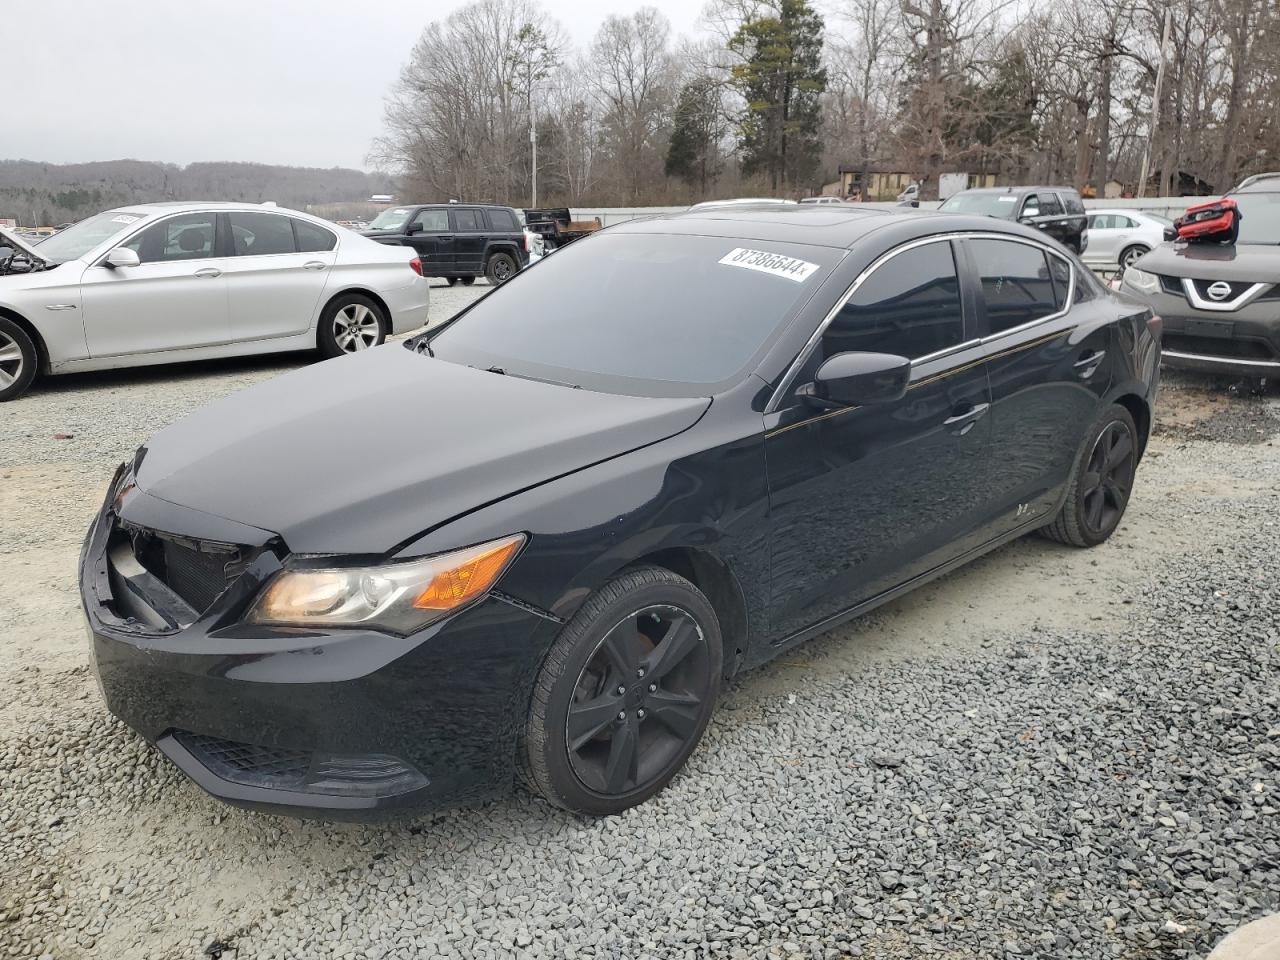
[1050, 753]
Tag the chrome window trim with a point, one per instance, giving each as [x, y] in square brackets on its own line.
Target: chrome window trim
[794, 367]
[1222, 306]
[1225, 361]
[151, 223]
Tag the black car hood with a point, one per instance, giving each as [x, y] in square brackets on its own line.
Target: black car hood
[358, 454]
[1250, 262]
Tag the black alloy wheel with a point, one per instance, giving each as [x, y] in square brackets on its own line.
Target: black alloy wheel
[637, 700]
[624, 695]
[1101, 482]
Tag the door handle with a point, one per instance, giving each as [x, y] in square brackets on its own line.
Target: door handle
[208, 273]
[962, 423]
[1088, 365]
[445, 238]
[314, 265]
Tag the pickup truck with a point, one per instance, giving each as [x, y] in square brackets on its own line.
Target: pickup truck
[557, 227]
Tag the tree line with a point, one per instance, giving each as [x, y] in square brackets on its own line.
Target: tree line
[46, 194]
[775, 96]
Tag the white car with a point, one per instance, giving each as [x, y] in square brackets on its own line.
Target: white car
[1117, 238]
[824, 201]
[737, 202]
[166, 282]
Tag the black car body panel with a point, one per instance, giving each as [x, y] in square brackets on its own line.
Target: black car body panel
[788, 516]
[457, 239]
[1221, 302]
[464, 437]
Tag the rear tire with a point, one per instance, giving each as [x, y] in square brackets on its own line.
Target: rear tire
[452, 281]
[1101, 482]
[351, 323]
[624, 694]
[19, 360]
[468, 281]
[1131, 254]
[500, 268]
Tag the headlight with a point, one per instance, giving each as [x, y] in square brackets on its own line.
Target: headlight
[399, 597]
[1141, 280]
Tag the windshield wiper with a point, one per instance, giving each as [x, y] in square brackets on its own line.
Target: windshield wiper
[524, 376]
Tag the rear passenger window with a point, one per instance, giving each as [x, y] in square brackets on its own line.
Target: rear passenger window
[261, 234]
[909, 306]
[503, 220]
[312, 239]
[467, 220]
[1016, 285]
[1050, 206]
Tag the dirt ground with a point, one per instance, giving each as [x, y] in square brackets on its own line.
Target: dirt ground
[50, 488]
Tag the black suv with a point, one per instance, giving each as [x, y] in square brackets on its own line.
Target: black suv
[1058, 211]
[1221, 301]
[458, 241]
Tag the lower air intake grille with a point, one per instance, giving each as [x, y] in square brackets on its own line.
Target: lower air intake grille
[275, 768]
[246, 763]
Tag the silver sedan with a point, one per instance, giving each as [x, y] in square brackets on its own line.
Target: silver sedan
[167, 282]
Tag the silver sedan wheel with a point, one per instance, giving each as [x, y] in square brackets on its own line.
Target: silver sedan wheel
[355, 327]
[10, 361]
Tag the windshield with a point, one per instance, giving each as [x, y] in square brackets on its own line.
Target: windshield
[392, 219]
[79, 239]
[984, 204]
[1259, 217]
[645, 314]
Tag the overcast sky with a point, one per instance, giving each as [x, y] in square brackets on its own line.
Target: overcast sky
[273, 81]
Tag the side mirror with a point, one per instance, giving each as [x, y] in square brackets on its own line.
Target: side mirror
[412, 228]
[858, 379]
[121, 257]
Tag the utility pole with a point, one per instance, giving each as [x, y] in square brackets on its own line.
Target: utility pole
[1155, 103]
[533, 134]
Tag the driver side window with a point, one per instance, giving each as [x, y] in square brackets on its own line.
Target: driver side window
[1031, 206]
[432, 221]
[189, 236]
[910, 306]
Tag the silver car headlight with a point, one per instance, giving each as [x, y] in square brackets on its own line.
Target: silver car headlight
[1141, 280]
[397, 597]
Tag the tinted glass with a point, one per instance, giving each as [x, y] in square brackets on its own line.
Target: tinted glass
[620, 311]
[261, 234]
[1050, 206]
[1060, 271]
[311, 238]
[1016, 287]
[1071, 202]
[467, 220]
[503, 220]
[79, 238]
[433, 221]
[186, 237]
[909, 306]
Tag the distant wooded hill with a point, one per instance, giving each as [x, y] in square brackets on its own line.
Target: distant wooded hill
[45, 194]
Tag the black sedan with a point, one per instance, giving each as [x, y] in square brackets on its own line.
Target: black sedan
[534, 544]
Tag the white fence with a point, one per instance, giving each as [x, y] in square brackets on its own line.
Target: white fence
[1164, 206]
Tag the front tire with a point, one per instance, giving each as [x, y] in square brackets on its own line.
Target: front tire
[19, 360]
[468, 281]
[500, 268]
[1101, 482]
[351, 323]
[624, 694]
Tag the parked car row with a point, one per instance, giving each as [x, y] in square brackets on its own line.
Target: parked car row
[166, 282]
[673, 451]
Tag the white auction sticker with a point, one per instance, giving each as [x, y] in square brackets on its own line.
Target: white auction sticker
[124, 218]
[788, 268]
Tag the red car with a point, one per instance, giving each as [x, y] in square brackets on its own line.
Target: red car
[1215, 222]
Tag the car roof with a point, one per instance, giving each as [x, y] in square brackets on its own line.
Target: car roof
[1259, 183]
[824, 225]
[460, 203]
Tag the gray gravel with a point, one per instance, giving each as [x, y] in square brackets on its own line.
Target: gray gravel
[1051, 754]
